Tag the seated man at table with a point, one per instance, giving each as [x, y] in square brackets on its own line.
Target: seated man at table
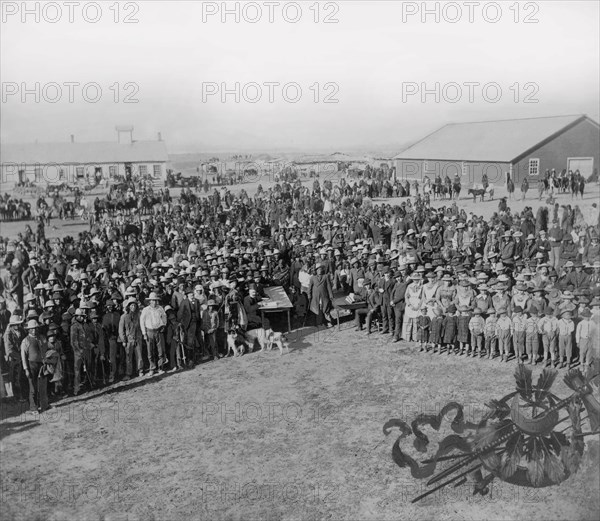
[251, 305]
[372, 298]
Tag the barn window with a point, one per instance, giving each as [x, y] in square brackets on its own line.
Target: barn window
[38, 174]
[534, 166]
[79, 171]
[157, 170]
[143, 169]
[112, 171]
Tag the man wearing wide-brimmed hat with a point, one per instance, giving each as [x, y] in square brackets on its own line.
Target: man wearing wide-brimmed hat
[13, 336]
[130, 335]
[153, 321]
[80, 343]
[586, 336]
[33, 350]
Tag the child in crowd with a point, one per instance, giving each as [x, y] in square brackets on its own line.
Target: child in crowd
[548, 327]
[566, 327]
[423, 326]
[210, 323]
[462, 334]
[504, 333]
[435, 332]
[519, 327]
[532, 335]
[491, 338]
[449, 327]
[476, 328]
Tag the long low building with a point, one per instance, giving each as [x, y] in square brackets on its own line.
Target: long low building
[73, 162]
[524, 148]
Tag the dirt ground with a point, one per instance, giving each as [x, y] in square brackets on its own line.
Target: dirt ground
[269, 437]
[264, 436]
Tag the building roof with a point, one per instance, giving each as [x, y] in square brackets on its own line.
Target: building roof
[84, 153]
[502, 141]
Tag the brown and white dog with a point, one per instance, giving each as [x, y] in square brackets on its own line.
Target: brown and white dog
[278, 339]
[236, 343]
[266, 339]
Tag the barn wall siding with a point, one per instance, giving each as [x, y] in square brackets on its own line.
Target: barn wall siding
[583, 140]
[471, 172]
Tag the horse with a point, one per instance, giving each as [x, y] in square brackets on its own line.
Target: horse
[477, 192]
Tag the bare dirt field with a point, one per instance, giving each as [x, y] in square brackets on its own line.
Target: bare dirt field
[265, 436]
[269, 437]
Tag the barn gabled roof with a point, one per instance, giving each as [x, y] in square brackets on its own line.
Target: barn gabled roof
[84, 153]
[501, 141]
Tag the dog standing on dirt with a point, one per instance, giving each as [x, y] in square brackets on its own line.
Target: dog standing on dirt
[236, 343]
[266, 338]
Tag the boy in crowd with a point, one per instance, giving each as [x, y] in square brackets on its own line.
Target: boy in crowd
[532, 336]
[476, 328]
[519, 327]
[548, 327]
[566, 327]
[504, 333]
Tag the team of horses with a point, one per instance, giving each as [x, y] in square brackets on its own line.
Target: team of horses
[14, 209]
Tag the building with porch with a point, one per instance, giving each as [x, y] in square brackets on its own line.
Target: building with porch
[83, 163]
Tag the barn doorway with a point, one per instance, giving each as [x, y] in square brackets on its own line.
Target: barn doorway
[585, 165]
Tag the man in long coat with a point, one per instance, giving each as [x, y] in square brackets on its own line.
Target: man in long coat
[320, 295]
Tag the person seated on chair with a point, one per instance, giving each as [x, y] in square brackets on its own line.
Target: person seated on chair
[251, 305]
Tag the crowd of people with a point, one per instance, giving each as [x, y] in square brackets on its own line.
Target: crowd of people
[122, 301]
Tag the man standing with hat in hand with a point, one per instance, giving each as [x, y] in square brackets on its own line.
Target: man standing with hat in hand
[33, 350]
[153, 321]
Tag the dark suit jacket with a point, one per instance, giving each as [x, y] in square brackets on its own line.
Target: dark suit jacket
[320, 294]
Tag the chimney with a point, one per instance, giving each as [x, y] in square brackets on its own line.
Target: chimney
[72, 138]
[159, 136]
[124, 134]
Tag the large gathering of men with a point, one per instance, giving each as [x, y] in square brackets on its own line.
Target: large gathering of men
[136, 295]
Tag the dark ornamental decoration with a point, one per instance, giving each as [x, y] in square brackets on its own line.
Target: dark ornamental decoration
[529, 438]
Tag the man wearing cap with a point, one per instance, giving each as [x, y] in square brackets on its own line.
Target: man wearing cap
[153, 321]
[13, 336]
[33, 350]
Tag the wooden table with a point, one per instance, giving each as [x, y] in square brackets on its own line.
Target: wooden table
[277, 294]
[341, 303]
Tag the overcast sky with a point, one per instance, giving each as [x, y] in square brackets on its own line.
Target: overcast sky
[178, 51]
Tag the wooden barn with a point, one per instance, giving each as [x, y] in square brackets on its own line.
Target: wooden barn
[521, 147]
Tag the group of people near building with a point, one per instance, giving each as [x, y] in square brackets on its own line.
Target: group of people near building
[116, 303]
